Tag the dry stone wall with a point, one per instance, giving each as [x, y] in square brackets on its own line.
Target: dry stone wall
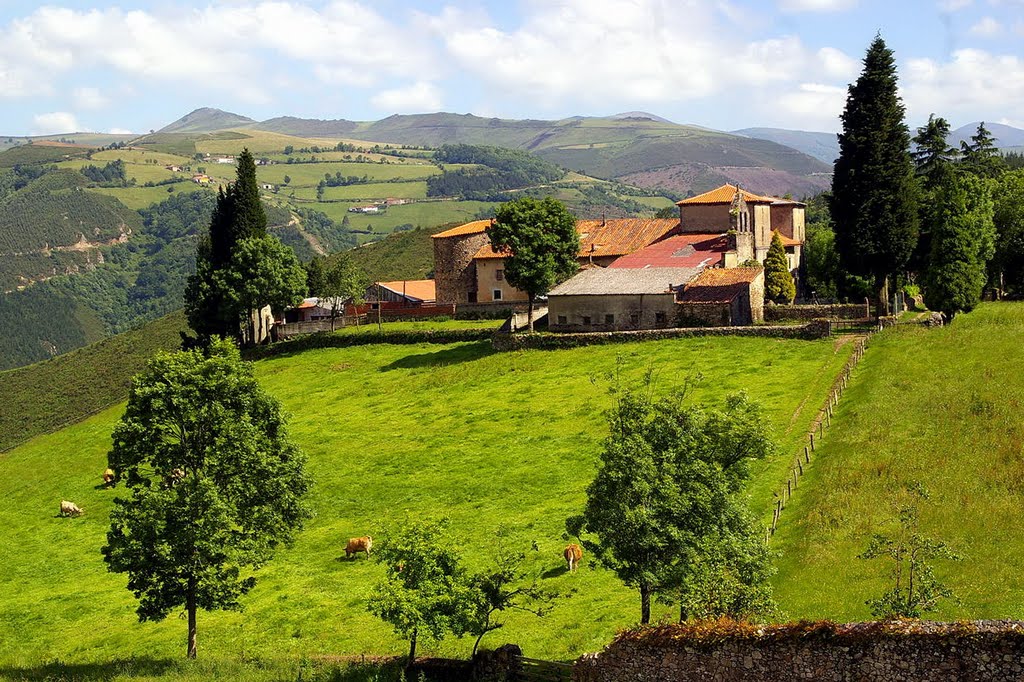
[844, 311]
[901, 651]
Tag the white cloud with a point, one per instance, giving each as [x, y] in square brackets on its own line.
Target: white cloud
[55, 122]
[228, 47]
[119, 131]
[987, 27]
[814, 105]
[838, 64]
[974, 84]
[816, 5]
[954, 5]
[417, 98]
[89, 98]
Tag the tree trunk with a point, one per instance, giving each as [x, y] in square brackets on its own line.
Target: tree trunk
[529, 313]
[412, 646]
[881, 295]
[190, 606]
[645, 604]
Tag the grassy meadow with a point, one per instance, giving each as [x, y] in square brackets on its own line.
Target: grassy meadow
[489, 439]
[942, 407]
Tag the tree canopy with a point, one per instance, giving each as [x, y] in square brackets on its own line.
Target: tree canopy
[541, 243]
[874, 192]
[664, 513]
[214, 484]
[981, 156]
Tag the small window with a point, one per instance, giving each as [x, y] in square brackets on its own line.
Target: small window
[586, 319]
[499, 275]
[472, 297]
[659, 317]
[562, 319]
[634, 318]
[496, 295]
[609, 319]
[374, 306]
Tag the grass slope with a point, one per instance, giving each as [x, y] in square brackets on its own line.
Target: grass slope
[489, 439]
[937, 406]
[47, 395]
[402, 255]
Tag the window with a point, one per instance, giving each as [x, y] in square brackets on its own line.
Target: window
[499, 275]
[634, 318]
[562, 319]
[471, 297]
[496, 295]
[586, 319]
[659, 317]
[609, 319]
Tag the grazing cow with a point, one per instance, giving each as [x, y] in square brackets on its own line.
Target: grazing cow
[573, 553]
[357, 545]
[69, 509]
[109, 477]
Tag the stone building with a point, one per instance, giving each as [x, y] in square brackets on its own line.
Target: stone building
[616, 299]
[454, 268]
[723, 297]
[749, 218]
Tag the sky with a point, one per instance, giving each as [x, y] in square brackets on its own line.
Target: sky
[132, 66]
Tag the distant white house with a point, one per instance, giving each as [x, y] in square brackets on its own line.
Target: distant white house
[364, 209]
[225, 159]
[268, 186]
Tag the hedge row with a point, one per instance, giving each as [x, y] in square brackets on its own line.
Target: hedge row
[552, 341]
[306, 342]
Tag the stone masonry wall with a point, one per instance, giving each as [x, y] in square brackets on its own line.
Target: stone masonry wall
[900, 651]
[845, 311]
[454, 274]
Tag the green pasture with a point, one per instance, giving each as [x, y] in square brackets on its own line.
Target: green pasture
[310, 174]
[423, 213]
[938, 406]
[392, 431]
[143, 197]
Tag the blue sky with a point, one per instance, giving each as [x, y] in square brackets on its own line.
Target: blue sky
[727, 64]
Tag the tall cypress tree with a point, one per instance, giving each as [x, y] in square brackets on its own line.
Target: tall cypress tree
[238, 215]
[933, 160]
[778, 280]
[874, 192]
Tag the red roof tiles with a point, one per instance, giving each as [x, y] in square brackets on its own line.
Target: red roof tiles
[613, 237]
[678, 251]
[719, 285]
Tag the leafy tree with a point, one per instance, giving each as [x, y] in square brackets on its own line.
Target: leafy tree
[426, 591]
[963, 241]
[341, 283]
[262, 272]
[663, 511]
[981, 157]
[915, 589]
[316, 276]
[1008, 217]
[505, 587]
[214, 483]
[778, 280]
[541, 243]
[289, 149]
[287, 179]
[874, 194]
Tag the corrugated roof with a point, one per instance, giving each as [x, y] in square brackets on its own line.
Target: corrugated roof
[678, 251]
[418, 289]
[719, 285]
[607, 281]
[469, 228]
[613, 237]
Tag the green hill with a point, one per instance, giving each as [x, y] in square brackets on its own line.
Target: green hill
[402, 255]
[489, 439]
[205, 120]
[48, 395]
[941, 407]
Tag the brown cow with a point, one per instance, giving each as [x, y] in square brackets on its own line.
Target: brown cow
[357, 545]
[69, 509]
[109, 477]
[573, 553]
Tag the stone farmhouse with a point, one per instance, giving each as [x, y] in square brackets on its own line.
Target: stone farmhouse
[700, 269]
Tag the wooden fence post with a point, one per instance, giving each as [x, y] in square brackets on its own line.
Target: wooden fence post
[812, 441]
[807, 455]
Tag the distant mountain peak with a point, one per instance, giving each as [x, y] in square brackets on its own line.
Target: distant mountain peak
[641, 115]
[206, 120]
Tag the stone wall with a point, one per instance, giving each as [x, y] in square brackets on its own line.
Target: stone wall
[611, 312]
[901, 651]
[844, 311]
[504, 342]
[454, 270]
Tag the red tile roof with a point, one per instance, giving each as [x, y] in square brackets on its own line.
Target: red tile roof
[789, 241]
[613, 237]
[678, 251]
[420, 289]
[725, 194]
[474, 227]
[719, 285]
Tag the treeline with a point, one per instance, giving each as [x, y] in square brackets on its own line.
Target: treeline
[111, 175]
[501, 170]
